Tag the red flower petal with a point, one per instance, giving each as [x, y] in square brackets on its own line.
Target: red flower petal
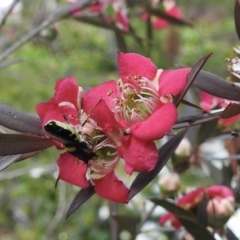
[157, 125]
[208, 101]
[66, 90]
[138, 155]
[111, 188]
[172, 81]
[229, 121]
[132, 64]
[191, 199]
[48, 112]
[169, 217]
[122, 20]
[107, 91]
[72, 170]
[219, 191]
[99, 111]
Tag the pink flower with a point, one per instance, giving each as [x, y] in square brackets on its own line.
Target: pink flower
[112, 121]
[170, 9]
[221, 194]
[209, 102]
[99, 169]
[142, 104]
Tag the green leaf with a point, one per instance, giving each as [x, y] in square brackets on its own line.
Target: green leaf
[82, 196]
[19, 121]
[165, 152]
[12, 144]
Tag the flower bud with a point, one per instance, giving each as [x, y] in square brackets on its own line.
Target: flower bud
[169, 183]
[220, 210]
[184, 148]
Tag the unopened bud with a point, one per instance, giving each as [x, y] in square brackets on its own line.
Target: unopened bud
[220, 210]
[169, 183]
[184, 148]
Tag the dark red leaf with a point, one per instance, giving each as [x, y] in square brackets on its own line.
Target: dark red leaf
[217, 86]
[237, 18]
[19, 121]
[6, 161]
[82, 196]
[12, 144]
[121, 43]
[230, 235]
[165, 152]
[202, 212]
[191, 77]
[231, 110]
[184, 121]
[187, 220]
[170, 19]
[206, 129]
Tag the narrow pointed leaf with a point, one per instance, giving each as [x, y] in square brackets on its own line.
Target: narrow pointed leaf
[173, 208]
[165, 152]
[231, 110]
[237, 18]
[187, 103]
[128, 223]
[204, 133]
[82, 196]
[100, 22]
[170, 19]
[6, 161]
[191, 77]
[187, 220]
[217, 86]
[149, 31]
[12, 144]
[121, 43]
[202, 212]
[230, 235]
[19, 121]
[184, 121]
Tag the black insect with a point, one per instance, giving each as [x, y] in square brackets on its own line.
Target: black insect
[73, 142]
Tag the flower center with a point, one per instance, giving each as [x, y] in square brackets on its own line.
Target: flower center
[136, 101]
[104, 149]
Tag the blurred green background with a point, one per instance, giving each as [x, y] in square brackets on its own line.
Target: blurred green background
[30, 206]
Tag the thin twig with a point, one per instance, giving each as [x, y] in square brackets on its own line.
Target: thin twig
[10, 63]
[113, 224]
[8, 13]
[61, 209]
[144, 217]
[19, 172]
[59, 14]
